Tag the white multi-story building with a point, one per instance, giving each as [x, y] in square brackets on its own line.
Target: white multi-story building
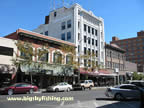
[78, 26]
[7, 53]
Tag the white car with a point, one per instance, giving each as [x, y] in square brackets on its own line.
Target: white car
[62, 86]
[124, 91]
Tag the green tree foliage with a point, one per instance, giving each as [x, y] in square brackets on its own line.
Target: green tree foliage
[25, 54]
[137, 76]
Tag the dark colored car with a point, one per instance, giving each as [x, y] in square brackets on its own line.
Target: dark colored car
[18, 88]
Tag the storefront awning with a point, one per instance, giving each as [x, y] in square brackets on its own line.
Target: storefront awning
[97, 73]
[7, 69]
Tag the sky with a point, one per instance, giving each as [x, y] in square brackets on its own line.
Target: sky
[122, 18]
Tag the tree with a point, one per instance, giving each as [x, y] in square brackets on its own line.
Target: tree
[137, 76]
[26, 54]
[70, 59]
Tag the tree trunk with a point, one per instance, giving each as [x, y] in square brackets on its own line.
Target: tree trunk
[31, 78]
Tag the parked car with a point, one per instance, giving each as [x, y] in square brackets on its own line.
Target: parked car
[62, 86]
[18, 88]
[124, 91]
[84, 84]
[139, 83]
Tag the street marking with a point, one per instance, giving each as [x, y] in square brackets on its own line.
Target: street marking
[111, 102]
[62, 104]
[79, 104]
[96, 105]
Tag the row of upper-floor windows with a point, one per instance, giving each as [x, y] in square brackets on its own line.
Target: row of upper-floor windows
[90, 41]
[90, 52]
[57, 57]
[90, 63]
[90, 30]
[45, 33]
[63, 25]
[114, 54]
[114, 65]
[64, 37]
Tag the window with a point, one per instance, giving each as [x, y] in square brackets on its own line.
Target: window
[78, 60]
[78, 25]
[92, 41]
[89, 63]
[95, 32]
[85, 39]
[96, 63]
[85, 27]
[92, 30]
[68, 35]
[63, 36]
[93, 52]
[57, 58]
[46, 33]
[89, 40]
[102, 35]
[6, 51]
[85, 62]
[85, 50]
[44, 57]
[41, 33]
[69, 24]
[78, 36]
[55, 14]
[93, 64]
[95, 42]
[96, 53]
[89, 51]
[78, 48]
[129, 87]
[63, 25]
[102, 46]
[88, 29]
[69, 59]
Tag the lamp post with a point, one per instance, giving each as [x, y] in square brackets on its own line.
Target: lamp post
[117, 71]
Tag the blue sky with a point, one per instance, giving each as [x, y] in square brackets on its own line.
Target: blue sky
[122, 18]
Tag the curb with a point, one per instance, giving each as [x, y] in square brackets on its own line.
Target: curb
[97, 88]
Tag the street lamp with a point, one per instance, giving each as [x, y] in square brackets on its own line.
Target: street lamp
[117, 71]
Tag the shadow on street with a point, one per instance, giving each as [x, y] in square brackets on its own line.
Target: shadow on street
[110, 99]
[126, 103]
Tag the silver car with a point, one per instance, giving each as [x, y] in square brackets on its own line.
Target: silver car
[62, 86]
[124, 91]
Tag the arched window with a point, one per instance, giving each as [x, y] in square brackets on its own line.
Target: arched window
[26, 53]
[43, 55]
[69, 59]
[57, 58]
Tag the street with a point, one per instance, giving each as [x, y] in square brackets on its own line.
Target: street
[82, 99]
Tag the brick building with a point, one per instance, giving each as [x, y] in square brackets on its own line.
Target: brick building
[115, 62]
[134, 49]
[52, 73]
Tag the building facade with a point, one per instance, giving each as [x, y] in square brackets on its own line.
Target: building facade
[78, 26]
[52, 71]
[134, 49]
[7, 53]
[115, 62]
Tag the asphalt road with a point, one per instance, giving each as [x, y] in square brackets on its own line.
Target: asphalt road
[81, 99]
